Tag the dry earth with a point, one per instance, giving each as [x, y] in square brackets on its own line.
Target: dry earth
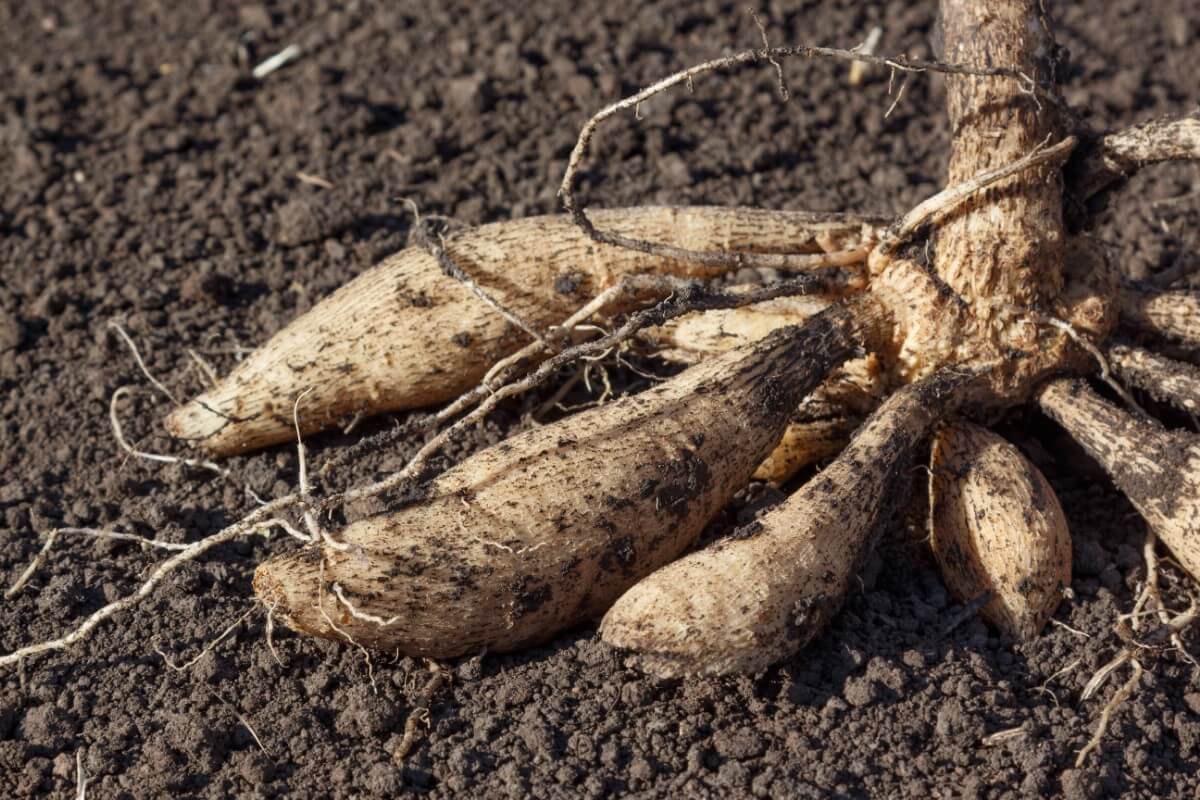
[146, 178]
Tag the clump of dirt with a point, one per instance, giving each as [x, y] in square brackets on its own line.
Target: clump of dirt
[148, 178]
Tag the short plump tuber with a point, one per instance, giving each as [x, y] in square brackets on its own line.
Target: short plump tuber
[997, 529]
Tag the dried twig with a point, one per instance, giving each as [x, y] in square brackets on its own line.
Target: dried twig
[269, 65]
[858, 69]
[770, 55]
[313, 180]
[80, 777]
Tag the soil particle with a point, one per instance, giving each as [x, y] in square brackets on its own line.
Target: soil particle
[47, 727]
[1088, 558]
[12, 332]
[741, 743]
[145, 162]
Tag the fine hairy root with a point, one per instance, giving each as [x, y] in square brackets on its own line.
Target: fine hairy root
[1138, 648]
[491, 557]
[256, 522]
[763, 593]
[997, 529]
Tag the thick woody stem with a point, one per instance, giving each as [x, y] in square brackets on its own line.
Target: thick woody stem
[1009, 241]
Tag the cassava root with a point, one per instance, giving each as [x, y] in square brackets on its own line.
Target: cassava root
[492, 557]
[406, 335]
[761, 594]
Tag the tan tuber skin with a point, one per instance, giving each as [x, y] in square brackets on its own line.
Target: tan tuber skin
[510, 547]
[997, 529]
[493, 558]
[1158, 470]
[978, 300]
[763, 593]
[822, 424]
[405, 335]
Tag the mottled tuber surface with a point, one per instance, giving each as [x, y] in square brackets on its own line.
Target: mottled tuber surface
[1157, 469]
[996, 529]
[546, 529]
[761, 594]
[406, 335]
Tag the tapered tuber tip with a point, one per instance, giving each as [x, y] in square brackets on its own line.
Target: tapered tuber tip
[196, 421]
[649, 638]
[663, 626]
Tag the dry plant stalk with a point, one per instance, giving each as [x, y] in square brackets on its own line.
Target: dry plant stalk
[997, 529]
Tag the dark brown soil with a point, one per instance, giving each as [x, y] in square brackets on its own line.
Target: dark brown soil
[145, 177]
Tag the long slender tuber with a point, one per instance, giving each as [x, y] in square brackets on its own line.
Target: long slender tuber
[405, 335]
[1157, 469]
[1164, 379]
[822, 424]
[761, 594]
